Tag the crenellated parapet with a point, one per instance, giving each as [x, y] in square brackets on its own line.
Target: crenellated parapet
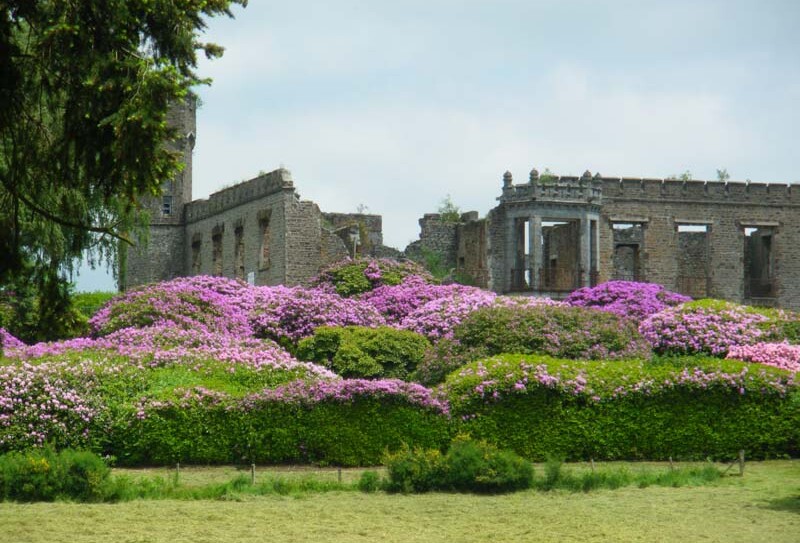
[248, 191]
[554, 188]
[697, 191]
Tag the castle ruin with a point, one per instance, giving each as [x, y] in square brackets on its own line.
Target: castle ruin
[259, 231]
[554, 234]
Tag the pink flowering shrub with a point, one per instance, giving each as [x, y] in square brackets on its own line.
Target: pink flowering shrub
[352, 277]
[437, 318]
[779, 355]
[212, 304]
[349, 390]
[396, 302]
[627, 298]
[47, 403]
[697, 329]
[166, 346]
[7, 341]
[288, 314]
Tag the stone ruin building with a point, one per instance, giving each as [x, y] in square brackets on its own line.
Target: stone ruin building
[551, 235]
[547, 236]
[258, 231]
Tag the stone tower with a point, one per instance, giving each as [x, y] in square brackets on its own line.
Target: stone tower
[161, 257]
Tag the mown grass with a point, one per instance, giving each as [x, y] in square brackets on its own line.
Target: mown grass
[764, 505]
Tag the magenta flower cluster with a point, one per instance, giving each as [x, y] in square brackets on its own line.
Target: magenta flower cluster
[292, 313]
[7, 341]
[349, 390]
[210, 304]
[627, 298]
[698, 330]
[779, 355]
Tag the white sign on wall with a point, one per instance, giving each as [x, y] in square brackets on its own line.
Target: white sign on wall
[251, 278]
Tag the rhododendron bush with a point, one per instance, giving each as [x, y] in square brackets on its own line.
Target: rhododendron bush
[627, 298]
[207, 369]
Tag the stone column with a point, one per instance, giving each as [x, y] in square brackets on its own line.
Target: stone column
[535, 250]
[585, 249]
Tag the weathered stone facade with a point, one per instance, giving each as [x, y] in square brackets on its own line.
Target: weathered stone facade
[258, 230]
[736, 241]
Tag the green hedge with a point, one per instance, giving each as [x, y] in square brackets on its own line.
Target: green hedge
[627, 409]
[358, 351]
[356, 433]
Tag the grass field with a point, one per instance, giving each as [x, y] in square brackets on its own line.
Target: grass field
[762, 506]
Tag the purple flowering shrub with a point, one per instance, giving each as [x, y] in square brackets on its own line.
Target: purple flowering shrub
[704, 328]
[627, 298]
[212, 304]
[288, 314]
[396, 302]
[779, 355]
[7, 341]
[352, 277]
[437, 318]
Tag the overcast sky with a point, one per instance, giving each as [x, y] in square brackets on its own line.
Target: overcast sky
[395, 105]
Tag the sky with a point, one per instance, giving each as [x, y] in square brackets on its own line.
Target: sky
[396, 105]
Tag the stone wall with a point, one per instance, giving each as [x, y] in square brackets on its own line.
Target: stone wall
[158, 258]
[436, 236]
[727, 209]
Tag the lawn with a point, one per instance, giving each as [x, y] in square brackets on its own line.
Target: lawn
[762, 506]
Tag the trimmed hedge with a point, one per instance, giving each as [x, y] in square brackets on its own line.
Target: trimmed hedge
[357, 351]
[355, 433]
[540, 406]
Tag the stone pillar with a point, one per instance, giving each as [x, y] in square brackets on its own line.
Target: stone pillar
[535, 250]
[585, 249]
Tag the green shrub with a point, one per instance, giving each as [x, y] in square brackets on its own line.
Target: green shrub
[357, 351]
[354, 433]
[370, 481]
[353, 277]
[560, 331]
[88, 303]
[44, 475]
[703, 407]
[468, 466]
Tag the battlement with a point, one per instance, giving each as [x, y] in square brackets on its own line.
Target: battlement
[743, 192]
[247, 191]
[591, 189]
[553, 188]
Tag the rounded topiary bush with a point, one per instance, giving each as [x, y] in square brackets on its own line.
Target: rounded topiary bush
[626, 298]
[556, 330]
[356, 351]
[352, 277]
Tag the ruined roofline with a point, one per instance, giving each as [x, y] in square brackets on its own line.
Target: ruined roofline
[578, 188]
[241, 193]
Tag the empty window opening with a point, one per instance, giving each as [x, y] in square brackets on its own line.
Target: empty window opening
[216, 255]
[693, 260]
[197, 246]
[628, 249]
[759, 263]
[238, 252]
